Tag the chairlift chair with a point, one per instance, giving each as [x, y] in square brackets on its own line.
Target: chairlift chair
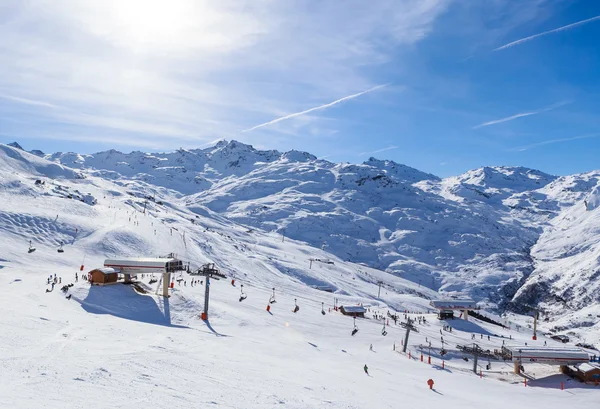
[383, 331]
[60, 249]
[31, 248]
[323, 308]
[243, 295]
[296, 308]
[355, 330]
[272, 299]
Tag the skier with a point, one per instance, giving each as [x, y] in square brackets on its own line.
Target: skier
[371, 347]
[366, 369]
[76, 277]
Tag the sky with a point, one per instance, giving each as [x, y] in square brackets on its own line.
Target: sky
[441, 85]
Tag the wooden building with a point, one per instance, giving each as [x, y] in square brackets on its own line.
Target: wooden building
[586, 372]
[353, 310]
[102, 276]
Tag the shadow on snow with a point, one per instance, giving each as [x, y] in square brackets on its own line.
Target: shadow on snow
[122, 301]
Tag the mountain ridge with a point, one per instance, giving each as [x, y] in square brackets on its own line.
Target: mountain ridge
[480, 234]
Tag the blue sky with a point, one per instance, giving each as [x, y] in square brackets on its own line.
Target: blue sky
[441, 85]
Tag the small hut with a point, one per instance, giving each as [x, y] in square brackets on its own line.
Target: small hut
[586, 372]
[353, 310]
[102, 276]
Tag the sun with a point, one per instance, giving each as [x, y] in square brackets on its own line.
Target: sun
[153, 22]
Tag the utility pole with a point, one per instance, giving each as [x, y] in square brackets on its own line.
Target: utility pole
[409, 327]
[475, 357]
[379, 292]
[310, 265]
[282, 235]
[208, 271]
[206, 297]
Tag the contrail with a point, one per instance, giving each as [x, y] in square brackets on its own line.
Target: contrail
[521, 115]
[553, 141]
[523, 40]
[389, 148]
[337, 101]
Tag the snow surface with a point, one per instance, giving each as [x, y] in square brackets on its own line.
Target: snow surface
[114, 347]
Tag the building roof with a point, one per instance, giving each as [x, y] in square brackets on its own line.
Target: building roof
[588, 366]
[354, 308]
[126, 260]
[548, 354]
[106, 270]
[454, 304]
[143, 264]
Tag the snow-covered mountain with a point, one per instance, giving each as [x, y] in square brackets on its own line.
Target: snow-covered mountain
[507, 236]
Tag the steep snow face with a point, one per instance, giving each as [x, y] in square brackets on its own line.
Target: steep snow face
[13, 160]
[494, 184]
[566, 280]
[380, 213]
[472, 234]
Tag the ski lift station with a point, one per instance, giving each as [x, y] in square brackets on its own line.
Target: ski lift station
[131, 267]
[446, 308]
[547, 355]
[353, 310]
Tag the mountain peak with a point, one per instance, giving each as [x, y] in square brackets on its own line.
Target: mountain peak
[16, 145]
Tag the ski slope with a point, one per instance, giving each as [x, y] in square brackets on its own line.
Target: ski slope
[112, 347]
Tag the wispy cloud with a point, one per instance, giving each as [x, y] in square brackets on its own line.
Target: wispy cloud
[389, 148]
[556, 30]
[320, 107]
[521, 115]
[553, 141]
[28, 101]
[189, 71]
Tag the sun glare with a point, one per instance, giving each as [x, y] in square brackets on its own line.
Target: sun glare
[154, 22]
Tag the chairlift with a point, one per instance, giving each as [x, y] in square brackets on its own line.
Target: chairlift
[296, 308]
[31, 248]
[60, 249]
[383, 331]
[243, 295]
[323, 308]
[272, 299]
[355, 330]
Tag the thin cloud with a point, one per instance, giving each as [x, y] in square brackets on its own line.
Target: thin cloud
[553, 141]
[320, 107]
[389, 148]
[556, 30]
[521, 115]
[201, 81]
[27, 101]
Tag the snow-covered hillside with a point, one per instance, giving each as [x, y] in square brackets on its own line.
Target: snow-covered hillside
[262, 222]
[480, 234]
